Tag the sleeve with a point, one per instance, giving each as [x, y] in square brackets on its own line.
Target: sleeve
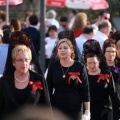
[50, 80]
[1, 98]
[45, 99]
[112, 91]
[85, 85]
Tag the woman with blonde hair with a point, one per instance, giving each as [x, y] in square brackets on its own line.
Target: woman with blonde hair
[22, 82]
[79, 24]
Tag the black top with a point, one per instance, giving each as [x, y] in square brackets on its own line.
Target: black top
[68, 97]
[100, 91]
[116, 74]
[12, 99]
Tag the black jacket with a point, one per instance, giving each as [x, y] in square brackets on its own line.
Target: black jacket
[35, 35]
[9, 100]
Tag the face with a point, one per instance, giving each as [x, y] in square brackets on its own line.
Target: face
[110, 53]
[22, 62]
[64, 51]
[92, 64]
[64, 25]
[53, 33]
[106, 16]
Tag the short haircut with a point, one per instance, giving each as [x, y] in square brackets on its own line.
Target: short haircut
[64, 19]
[103, 24]
[88, 30]
[20, 49]
[74, 12]
[101, 13]
[6, 36]
[33, 19]
[52, 27]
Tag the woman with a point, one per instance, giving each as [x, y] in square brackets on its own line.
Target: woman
[113, 65]
[101, 83]
[68, 78]
[50, 42]
[79, 24]
[20, 86]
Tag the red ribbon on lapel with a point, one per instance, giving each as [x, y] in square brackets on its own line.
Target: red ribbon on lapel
[103, 75]
[36, 85]
[74, 74]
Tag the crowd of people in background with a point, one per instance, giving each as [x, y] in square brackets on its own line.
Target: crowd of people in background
[82, 78]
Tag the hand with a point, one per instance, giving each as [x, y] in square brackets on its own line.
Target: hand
[86, 115]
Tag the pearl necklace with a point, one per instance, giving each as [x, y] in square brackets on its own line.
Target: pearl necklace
[21, 81]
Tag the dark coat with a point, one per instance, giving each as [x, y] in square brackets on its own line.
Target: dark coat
[9, 101]
[35, 35]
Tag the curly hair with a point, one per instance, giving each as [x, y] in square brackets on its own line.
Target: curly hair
[80, 21]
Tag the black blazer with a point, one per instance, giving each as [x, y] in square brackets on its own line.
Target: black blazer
[35, 35]
[8, 100]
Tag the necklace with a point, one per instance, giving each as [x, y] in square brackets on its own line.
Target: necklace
[64, 73]
[21, 81]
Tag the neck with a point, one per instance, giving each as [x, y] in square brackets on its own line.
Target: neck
[94, 72]
[21, 75]
[110, 63]
[66, 62]
[53, 37]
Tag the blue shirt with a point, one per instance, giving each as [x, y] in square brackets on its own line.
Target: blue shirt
[3, 56]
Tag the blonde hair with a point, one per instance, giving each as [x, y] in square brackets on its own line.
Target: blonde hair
[70, 45]
[20, 49]
[80, 21]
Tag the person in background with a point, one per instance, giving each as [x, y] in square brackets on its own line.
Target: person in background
[50, 42]
[103, 15]
[15, 25]
[64, 25]
[69, 79]
[1, 35]
[51, 15]
[88, 33]
[103, 32]
[79, 24]
[34, 33]
[4, 27]
[72, 15]
[116, 37]
[113, 65]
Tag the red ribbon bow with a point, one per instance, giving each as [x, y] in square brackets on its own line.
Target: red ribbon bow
[103, 75]
[74, 74]
[36, 85]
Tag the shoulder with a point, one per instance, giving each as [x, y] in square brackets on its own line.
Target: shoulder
[78, 64]
[105, 71]
[35, 76]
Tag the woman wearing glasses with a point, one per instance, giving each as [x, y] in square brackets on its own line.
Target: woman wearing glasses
[20, 86]
[113, 65]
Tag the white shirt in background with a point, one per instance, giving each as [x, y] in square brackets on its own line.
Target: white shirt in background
[49, 45]
[100, 37]
[80, 41]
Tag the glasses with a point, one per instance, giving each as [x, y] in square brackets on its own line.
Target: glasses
[23, 60]
[111, 51]
[106, 18]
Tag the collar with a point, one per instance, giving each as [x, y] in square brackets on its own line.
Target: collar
[102, 34]
[33, 26]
